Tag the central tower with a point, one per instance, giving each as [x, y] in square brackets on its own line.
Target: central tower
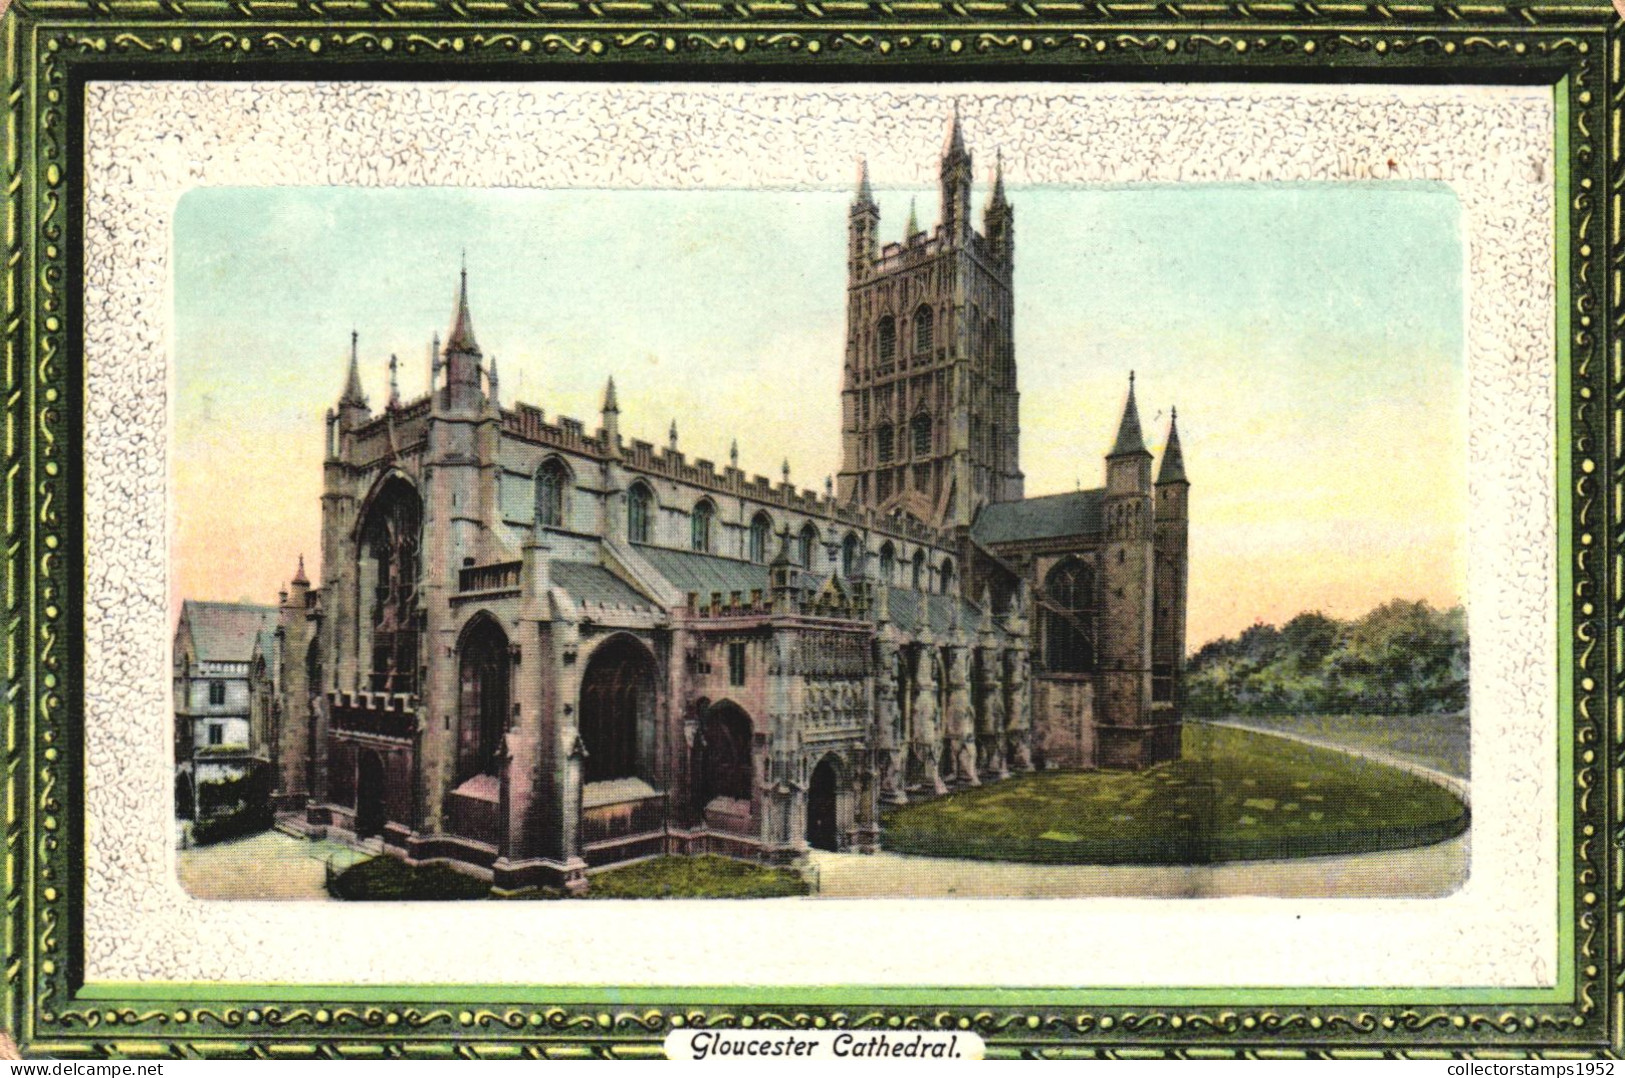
[929, 407]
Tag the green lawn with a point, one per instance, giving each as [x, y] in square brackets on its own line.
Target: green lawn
[1236, 795]
[387, 879]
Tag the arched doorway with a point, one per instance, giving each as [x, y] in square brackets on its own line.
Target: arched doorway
[369, 794]
[482, 699]
[726, 770]
[185, 806]
[618, 711]
[822, 830]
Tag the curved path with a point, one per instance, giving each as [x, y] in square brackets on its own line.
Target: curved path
[1426, 872]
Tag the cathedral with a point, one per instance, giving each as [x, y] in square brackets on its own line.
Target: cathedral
[539, 647]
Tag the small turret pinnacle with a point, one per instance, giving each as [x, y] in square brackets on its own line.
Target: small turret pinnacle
[998, 178]
[352, 382]
[394, 381]
[462, 327]
[610, 403]
[913, 222]
[299, 575]
[1173, 458]
[1129, 439]
[733, 453]
[491, 382]
[671, 435]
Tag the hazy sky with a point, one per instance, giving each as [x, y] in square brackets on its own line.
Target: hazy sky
[1311, 336]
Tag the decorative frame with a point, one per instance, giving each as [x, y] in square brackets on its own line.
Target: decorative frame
[53, 46]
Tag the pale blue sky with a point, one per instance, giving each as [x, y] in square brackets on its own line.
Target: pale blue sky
[1311, 335]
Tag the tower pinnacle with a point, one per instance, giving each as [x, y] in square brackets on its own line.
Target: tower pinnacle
[1173, 458]
[462, 327]
[352, 383]
[1129, 438]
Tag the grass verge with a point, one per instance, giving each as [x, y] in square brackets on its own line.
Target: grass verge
[385, 879]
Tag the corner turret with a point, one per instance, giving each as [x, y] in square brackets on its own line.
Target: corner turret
[862, 228]
[956, 183]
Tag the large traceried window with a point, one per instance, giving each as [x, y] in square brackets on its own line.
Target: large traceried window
[851, 551]
[1069, 618]
[482, 702]
[700, 527]
[761, 537]
[391, 538]
[918, 578]
[639, 513]
[809, 545]
[925, 337]
[888, 563]
[921, 429]
[552, 480]
[885, 443]
[946, 576]
[887, 333]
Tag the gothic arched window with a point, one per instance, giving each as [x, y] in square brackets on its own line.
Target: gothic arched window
[552, 480]
[885, 443]
[850, 550]
[888, 339]
[809, 543]
[761, 531]
[639, 513]
[1069, 618]
[701, 526]
[918, 583]
[888, 563]
[921, 428]
[925, 336]
[946, 575]
[391, 538]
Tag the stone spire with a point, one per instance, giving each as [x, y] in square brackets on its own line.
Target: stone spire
[1129, 440]
[394, 381]
[352, 394]
[610, 403]
[1173, 459]
[913, 222]
[462, 326]
[997, 198]
[299, 577]
[733, 453]
[954, 144]
[491, 381]
[866, 195]
[671, 435]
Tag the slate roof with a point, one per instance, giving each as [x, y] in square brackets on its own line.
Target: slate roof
[226, 632]
[705, 573]
[1077, 513]
[594, 584]
[909, 609]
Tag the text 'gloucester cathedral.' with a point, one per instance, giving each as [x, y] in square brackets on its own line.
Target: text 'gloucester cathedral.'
[539, 648]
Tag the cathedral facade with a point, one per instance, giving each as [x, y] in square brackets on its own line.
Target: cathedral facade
[540, 647]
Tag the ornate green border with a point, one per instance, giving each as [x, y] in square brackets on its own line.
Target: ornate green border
[53, 46]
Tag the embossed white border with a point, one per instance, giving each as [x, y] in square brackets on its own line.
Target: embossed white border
[148, 142]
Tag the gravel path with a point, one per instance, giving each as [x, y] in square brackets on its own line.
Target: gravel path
[269, 866]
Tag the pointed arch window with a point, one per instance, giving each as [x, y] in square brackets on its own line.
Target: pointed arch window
[700, 527]
[888, 563]
[391, 539]
[850, 550]
[640, 502]
[761, 532]
[552, 480]
[925, 335]
[918, 579]
[921, 428]
[808, 544]
[1069, 618]
[885, 443]
[887, 333]
[946, 575]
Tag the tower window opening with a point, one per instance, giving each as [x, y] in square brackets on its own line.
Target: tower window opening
[924, 331]
[888, 339]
